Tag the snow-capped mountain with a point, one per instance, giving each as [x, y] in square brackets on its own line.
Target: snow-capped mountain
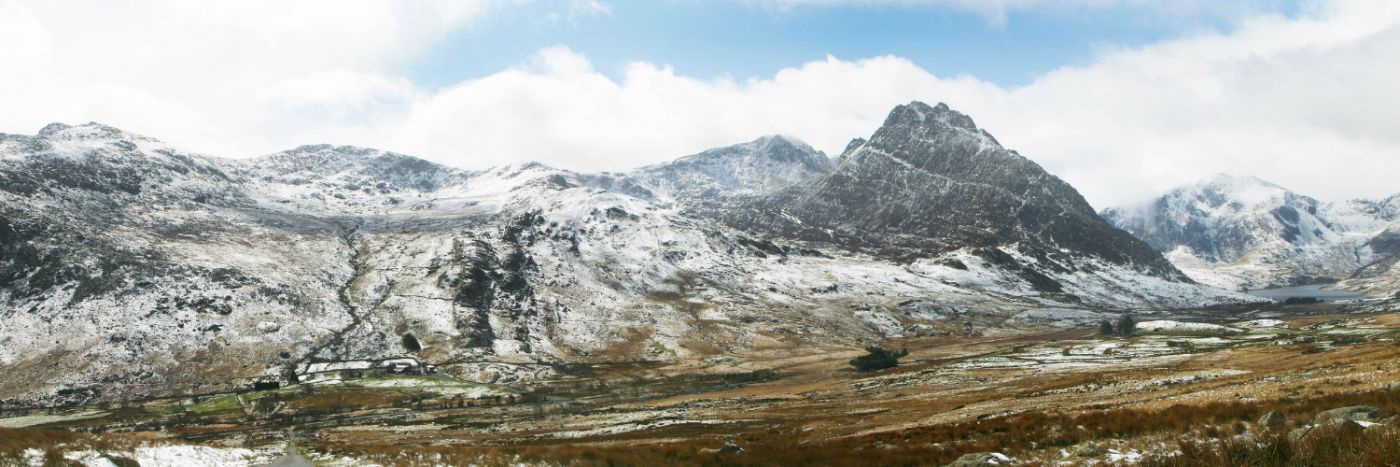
[929, 181]
[1241, 232]
[128, 267]
[767, 164]
[1382, 275]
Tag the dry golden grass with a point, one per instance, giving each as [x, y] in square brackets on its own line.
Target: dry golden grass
[1334, 446]
[1016, 435]
[53, 443]
[14, 441]
[632, 346]
[34, 367]
[339, 399]
[809, 408]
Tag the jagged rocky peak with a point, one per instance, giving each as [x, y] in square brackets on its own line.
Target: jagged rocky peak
[921, 114]
[942, 141]
[766, 164]
[925, 120]
[929, 180]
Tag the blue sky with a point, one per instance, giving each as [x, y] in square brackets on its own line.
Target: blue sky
[1124, 99]
[745, 39]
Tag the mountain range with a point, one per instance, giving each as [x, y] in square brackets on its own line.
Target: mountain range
[1240, 232]
[131, 268]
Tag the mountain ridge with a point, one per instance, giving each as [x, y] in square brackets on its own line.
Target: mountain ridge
[933, 149]
[197, 269]
[764, 164]
[1244, 232]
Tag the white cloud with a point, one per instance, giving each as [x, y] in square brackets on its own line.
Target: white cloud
[342, 90]
[996, 11]
[560, 111]
[192, 71]
[581, 8]
[1309, 103]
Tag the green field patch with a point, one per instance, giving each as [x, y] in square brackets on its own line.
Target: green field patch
[165, 410]
[214, 405]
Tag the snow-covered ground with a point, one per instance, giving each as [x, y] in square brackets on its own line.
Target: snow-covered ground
[162, 455]
[1169, 326]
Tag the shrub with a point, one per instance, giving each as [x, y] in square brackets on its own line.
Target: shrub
[878, 359]
[1126, 325]
[1106, 328]
[410, 343]
[15, 441]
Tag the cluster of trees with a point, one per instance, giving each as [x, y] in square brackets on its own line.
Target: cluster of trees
[878, 359]
[1124, 327]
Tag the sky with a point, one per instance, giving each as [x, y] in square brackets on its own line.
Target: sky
[1124, 99]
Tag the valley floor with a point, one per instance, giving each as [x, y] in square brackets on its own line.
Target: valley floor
[1169, 394]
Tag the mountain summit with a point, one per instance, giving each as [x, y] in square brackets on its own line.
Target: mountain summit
[929, 180]
[765, 164]
[1244, 232]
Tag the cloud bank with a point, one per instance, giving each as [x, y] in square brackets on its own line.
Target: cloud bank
[1308, 102]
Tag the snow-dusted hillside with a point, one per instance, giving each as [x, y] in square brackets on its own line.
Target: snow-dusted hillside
[128, 267]
[1240, 232]
[767, 164]
[929, 181]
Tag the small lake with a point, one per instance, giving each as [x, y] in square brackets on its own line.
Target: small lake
[1283, 293]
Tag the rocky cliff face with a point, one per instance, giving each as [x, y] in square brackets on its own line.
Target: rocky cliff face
[929, 181]
[1242, 232]
[128, 267]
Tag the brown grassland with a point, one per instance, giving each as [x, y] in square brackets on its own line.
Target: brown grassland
[1043, 398]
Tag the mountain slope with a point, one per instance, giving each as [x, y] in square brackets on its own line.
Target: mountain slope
[131, 268]
[1243, 232]
[929, 181]
[767, 164]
